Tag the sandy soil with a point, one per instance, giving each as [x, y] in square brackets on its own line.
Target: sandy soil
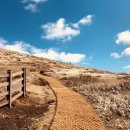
[73, 113]
[36, 111]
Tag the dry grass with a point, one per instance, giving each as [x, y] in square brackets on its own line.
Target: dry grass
[109, 97]
[107, 92]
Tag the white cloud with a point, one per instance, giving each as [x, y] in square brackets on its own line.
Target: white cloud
[63, 31]
[2, 42]
[51, 53]
[123, 38]
[87, 61]
[127, 67]
[68, 57]
[59, 30]
[60, 56]
[125, 52]
[115, 55]
[18, 46]
[38, 1]
[83, 21]
[33, 1]
[32, 5]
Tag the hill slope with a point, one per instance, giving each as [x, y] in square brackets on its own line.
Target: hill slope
[107, 92]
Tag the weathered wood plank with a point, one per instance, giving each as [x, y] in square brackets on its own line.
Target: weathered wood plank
[18, 88]
[4, 84]
[4, 103]
[17, 73]
[4, 75]
[24, 81]
[17, 81]
[17, 96]
[4, 94]
[9, 88]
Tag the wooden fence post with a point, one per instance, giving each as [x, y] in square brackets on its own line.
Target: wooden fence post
[24, 81]
[9, 88]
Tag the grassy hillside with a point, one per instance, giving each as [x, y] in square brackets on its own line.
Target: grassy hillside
[107, 92]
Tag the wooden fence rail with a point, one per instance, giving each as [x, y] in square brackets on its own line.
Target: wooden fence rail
[12, 93]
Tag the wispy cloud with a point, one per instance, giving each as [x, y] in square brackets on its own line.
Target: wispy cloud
[32, 5]
[84, 21]
[127, 67]
[50, 53]
[60, 30]
[115, 55]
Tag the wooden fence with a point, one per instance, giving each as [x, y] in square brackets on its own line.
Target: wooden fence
[13, 87]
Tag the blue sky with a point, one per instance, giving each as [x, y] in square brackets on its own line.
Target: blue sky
[94, 33]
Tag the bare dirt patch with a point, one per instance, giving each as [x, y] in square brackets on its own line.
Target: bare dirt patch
[36, 111]
[21, 116]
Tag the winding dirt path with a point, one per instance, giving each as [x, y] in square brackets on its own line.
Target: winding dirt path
[72, 113]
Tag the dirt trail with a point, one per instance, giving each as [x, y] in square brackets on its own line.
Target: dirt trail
[73, 113]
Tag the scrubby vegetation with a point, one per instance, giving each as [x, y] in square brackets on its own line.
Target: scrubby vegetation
[109, 93]
[109, 97]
